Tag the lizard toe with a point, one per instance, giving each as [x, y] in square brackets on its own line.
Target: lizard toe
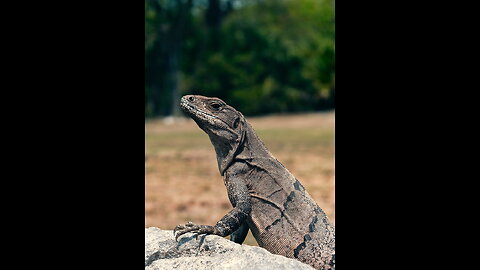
[182, 227]
[186, 230]
[193, 228]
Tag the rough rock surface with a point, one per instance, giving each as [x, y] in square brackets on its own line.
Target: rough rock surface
[208, 252]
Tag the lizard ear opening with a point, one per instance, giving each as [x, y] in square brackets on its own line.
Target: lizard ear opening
[237, 121]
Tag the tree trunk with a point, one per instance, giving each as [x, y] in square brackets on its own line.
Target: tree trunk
[172, 81]
[173, 54]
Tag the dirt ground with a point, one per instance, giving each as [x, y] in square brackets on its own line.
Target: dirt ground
[182, 182]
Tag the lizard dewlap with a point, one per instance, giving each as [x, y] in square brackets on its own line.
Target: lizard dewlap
[267, 198]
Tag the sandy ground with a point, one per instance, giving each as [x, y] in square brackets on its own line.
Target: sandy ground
[182, 182]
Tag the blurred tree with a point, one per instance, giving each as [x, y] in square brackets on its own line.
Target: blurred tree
[261, 56]
[275, 56]
[165, 27]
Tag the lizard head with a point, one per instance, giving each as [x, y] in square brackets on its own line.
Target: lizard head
[223, 124]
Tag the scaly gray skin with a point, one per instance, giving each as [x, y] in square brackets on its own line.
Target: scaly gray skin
[266, 197]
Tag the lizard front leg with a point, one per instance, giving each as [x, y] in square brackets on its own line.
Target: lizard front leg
[238, 192]
[239, 235]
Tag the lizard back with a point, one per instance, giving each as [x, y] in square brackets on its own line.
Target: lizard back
[284, 219]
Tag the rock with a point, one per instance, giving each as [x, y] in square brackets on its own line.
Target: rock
[208, 252]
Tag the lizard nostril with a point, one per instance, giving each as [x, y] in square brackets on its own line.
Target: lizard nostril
[190, 98]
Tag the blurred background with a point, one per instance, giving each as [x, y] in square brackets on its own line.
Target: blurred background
[273, 60]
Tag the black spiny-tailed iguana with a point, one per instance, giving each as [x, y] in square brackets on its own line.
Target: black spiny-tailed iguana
[266, 197]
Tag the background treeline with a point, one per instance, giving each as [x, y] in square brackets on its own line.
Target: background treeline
[260, 56]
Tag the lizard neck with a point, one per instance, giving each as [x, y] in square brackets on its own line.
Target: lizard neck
[252, 146]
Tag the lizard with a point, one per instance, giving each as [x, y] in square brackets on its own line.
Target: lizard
[266, 198]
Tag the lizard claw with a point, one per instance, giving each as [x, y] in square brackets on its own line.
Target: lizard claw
[199, 234]
[194, 228]
[182, 227]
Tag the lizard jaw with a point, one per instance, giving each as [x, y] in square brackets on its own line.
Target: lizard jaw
[193, 110]
[204, 117]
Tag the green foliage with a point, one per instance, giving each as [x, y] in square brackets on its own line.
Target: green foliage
[266, 56]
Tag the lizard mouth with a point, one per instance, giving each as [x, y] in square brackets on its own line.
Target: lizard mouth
[207, 119]
[194, 111]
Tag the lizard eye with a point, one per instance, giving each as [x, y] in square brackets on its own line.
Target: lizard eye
[216, 106]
